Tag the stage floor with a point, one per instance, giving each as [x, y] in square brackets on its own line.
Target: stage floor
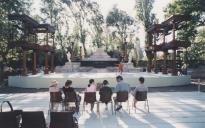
[80, 79]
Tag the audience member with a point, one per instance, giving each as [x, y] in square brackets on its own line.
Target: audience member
[54, 86]
[120, 87]
[91, 88]
[105, 89]
[68, 89]
[139, 88]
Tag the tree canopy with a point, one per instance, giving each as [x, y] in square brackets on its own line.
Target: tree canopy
[192, 30]
[122, 25]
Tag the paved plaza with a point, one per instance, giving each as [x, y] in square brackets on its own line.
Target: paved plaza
[167, 110]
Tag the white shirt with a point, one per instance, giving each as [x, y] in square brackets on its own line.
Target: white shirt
[140, 88]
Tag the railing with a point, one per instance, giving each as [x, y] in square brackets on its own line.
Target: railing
[199, 83]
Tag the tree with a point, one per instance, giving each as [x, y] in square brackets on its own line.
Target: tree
[79, 11]
[9, 7]
[96, 21]
[195, 9]
[122, 22]
[52, 13]
[194, 54]
[144, 14]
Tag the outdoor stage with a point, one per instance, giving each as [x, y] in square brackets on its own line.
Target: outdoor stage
[80, 79]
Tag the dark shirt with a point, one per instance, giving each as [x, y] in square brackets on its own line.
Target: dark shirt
[106, 90]
[68, 90]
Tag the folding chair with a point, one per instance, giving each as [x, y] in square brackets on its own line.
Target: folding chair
[55, 98]
[8, 120]
[89, 97]
[142, 96]
[106, 98]
[70, 98]
[122, 97]
[62, 120]
[34, 119]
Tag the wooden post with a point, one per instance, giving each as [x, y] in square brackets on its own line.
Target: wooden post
[24, 63]
[174, 72]
[164, 71]
[46, 70]
[52, 54]
[34, 56]
[155, 54]
[34, 63]
[149, 53]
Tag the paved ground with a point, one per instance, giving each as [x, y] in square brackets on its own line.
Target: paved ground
[185, 88]
[167, 110]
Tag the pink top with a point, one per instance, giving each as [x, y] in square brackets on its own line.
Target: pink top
[92, 88]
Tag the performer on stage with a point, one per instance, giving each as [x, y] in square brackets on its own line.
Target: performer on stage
[121, 68]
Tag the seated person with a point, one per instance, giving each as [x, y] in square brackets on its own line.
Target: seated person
[105, 89]
[91, 88]
[139, 88]
[54, 86]
[68, 89]
[120, 87]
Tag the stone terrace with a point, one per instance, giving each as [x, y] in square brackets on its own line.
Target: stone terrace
[167, 110]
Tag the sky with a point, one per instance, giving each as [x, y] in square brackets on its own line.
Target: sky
[126, 5]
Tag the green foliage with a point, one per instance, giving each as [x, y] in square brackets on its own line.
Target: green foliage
[121, 22]
[7, 7]
[79, 10]
[119, 19]
[144, 14]
[143, 9]
[196, 52]
[60, 58]
[96, 21]
[195, 9]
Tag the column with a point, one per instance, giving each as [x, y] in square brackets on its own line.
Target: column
[46, 70]
[24, 63]
[155, 54]
[149, 53]
[164, 71]
[34, 62]
[34, 56]
[174, 71]
[52, 54]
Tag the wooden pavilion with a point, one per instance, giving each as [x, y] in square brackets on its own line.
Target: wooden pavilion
[30, 29]
[170, 26]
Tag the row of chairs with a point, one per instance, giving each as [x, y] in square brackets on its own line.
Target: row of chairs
[90, 97]
[37, 120]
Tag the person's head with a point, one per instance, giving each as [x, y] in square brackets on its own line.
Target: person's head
[105, 83]
[54, 83]
[91, 81]
[68, 83]
[141, 80]
[119, 78]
